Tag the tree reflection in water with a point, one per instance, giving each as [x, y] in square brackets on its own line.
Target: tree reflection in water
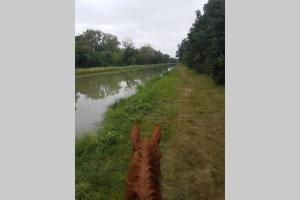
[94, 93]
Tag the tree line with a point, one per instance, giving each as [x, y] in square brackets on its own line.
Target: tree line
[204, 47]
[96, 48]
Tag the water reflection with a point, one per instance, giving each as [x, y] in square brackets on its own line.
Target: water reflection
[95, 93]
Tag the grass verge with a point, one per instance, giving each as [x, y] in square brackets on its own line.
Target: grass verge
[91, 70]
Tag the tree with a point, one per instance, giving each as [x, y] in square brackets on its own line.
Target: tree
[146, 55]
[129, 51]
[204, 47]
[96, 48]
[110, 42]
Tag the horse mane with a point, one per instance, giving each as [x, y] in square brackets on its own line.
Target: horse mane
[143, 178]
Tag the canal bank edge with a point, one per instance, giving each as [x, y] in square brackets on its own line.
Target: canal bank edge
[91, 70]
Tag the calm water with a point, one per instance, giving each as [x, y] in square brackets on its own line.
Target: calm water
[96, 92]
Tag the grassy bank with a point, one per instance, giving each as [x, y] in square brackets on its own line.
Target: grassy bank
[90, 70]
[190, 109]
[102, 158]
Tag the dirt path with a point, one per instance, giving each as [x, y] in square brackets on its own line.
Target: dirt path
[193, 162]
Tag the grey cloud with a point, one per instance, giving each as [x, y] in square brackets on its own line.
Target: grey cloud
[162, 23]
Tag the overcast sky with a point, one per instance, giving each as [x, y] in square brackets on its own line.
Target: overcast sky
[162, 23]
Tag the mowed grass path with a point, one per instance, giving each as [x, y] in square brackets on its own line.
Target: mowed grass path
[194, 161]
[190, 109]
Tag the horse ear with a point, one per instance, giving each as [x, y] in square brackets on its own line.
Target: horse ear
[156, 134]
[135, 136]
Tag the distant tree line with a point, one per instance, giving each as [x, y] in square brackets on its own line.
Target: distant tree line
[204, 47]
[96, 48]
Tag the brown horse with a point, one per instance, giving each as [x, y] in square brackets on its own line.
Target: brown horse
[143, 178]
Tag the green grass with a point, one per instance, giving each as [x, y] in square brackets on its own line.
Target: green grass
[102, 158]
[190, 109]
[90, 70]
[194, 162]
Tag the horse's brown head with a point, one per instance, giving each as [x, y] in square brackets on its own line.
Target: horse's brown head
[143, 178]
